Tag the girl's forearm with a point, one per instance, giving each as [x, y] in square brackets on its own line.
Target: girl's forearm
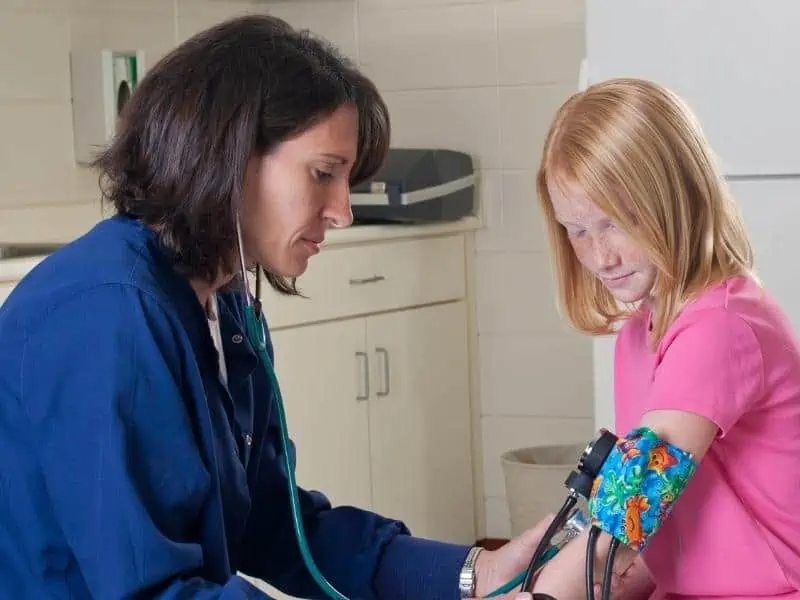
[564, 577]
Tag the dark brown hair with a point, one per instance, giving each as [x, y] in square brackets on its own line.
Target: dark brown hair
[231, 92]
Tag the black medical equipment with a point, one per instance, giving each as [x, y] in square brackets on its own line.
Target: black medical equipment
[653, 474]
[417, 185]
[579, 483]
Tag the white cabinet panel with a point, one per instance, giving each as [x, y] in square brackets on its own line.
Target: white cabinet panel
[321, 378]
[734, 62]
[420, 424]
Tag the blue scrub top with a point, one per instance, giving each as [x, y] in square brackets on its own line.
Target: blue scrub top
[129, 469]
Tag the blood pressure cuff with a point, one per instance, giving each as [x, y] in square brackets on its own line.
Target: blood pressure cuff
[639, 483]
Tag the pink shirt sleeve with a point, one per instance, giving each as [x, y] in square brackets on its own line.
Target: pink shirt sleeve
[710, 364]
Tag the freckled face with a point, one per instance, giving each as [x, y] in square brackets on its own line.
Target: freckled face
[601, 247]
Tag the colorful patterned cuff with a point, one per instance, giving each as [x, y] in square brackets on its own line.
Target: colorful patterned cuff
[638, 485]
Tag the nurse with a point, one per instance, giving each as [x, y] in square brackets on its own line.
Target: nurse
[139, 449]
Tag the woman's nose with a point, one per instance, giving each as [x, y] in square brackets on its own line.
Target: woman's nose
[338, 211]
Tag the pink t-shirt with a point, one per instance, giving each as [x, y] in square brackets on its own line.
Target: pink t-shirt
[731, 357]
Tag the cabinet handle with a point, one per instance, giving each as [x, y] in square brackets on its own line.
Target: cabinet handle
[385, 352]
[363, 355]
[363, 280]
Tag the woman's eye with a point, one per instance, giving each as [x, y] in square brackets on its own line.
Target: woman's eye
[320, 175]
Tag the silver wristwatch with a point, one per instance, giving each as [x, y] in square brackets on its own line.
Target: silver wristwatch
[466, 579]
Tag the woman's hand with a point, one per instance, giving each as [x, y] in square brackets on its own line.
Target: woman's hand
[495, 568]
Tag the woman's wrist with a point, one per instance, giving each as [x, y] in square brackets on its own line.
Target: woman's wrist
[468, 576]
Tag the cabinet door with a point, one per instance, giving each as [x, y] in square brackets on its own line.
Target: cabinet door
[420, 421]
[323, 373]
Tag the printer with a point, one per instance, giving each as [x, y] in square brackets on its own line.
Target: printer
[417, 186]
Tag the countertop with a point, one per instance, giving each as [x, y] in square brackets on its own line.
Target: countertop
[60, 225]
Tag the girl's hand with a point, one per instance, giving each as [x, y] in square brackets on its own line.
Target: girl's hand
[634, 583]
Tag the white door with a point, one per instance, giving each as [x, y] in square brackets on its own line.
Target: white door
[734, 61]
[771, 210]
[322, 371]
[420, 421]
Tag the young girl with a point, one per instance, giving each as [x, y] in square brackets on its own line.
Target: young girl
[645, 234]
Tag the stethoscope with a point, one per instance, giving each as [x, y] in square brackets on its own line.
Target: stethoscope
[255, 329]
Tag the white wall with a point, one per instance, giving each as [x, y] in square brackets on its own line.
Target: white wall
[483, 76]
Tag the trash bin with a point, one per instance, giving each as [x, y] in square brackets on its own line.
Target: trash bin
[535, 481]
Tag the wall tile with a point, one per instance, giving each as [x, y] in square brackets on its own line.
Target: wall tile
[195, 15]
[36, 164]
[543, 375]
[429, 47]
[333, 20]
[498, 521]
[163, 8]
[490, 202]
[501, 434]
[58, 6]
[516, 294]
[516, 220]
[128, 31]
[522, 217]
[526, 116]
[34, 67]
[399, 4]
[541, 41]
[460, 119]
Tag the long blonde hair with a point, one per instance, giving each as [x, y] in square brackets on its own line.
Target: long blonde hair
[637, 152]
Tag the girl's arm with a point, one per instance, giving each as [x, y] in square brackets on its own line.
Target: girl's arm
[564, 577]
[709, 376]
[634, 584]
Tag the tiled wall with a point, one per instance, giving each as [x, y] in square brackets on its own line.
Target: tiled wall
[36, 149]
[483, 76]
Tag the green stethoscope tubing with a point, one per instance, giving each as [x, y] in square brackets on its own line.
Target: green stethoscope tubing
[256, 334]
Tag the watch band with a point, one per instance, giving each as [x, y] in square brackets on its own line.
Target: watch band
[466, 579]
